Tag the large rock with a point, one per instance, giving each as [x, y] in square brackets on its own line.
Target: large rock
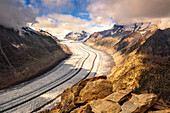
[75, 96]
[118, 96]
[103, 106]
[96, 89]
[139, 103]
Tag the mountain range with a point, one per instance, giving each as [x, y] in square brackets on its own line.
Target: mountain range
[139, 78]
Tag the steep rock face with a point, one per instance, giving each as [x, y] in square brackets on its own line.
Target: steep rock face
[141, 56]
[158, 44]
[76, 35]
[24, 57]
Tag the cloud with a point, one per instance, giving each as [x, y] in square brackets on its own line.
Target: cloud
[101, 11]
[130, 11]
[59, 24]
[83, 14]
[13, 13]
[52, 3]
[45, 22]
[59, 5]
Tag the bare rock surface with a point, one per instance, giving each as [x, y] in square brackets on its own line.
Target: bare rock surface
[139, 103]
[118, 96]
[94, 95]
[96, 89]
[104, 106]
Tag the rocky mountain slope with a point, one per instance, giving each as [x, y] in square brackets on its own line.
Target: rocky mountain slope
[27, 55]
[141, 57]
[76, 35]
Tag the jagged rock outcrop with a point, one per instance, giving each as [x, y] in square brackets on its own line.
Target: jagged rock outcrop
[25, 56]
[77, 36]
[122, 101]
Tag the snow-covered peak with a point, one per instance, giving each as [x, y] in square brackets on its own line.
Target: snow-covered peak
[77, 35]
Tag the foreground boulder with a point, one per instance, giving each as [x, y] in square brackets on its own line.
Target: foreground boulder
[84, 91]
[96, 89]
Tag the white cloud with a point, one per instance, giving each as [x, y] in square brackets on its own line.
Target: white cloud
[83, 14]
[13, 13]
[45, 22]
[101, 11]
[130, 11]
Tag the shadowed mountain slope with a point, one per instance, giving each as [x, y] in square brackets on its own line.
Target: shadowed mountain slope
[25, 56]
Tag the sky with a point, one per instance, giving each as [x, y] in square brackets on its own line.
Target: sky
[60, 17]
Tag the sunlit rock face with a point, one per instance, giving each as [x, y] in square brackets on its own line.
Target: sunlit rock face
[26, 54]
[76, 35]
[141, 53]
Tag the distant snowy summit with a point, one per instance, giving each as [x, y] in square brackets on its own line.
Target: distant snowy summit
[123, 30]
[77, 36]
[143, 26]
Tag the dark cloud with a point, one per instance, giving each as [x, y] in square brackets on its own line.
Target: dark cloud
[13, 13]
